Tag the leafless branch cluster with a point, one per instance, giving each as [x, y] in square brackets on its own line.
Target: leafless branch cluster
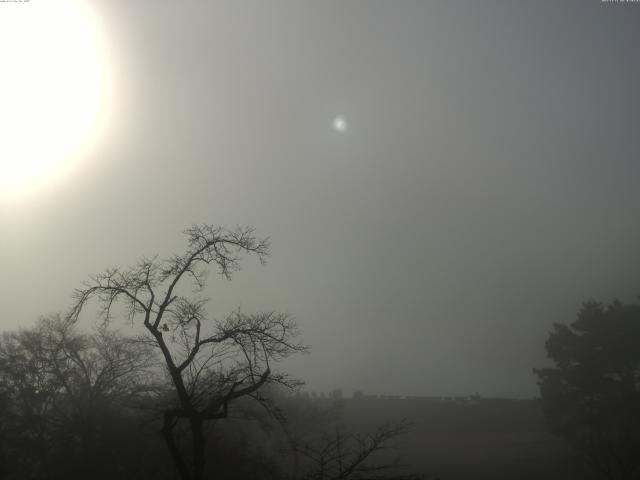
[210, 363]
[236, 359]
[56, 367]
[343, 456]
[138, 286]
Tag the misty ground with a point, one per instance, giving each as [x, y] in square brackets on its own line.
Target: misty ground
[458, 438]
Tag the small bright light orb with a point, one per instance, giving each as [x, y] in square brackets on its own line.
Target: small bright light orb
[340, 124]
[53, 89]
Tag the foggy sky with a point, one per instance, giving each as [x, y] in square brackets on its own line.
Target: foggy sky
[487, 185]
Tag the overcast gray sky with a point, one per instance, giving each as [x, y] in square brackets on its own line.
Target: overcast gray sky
[487, 184]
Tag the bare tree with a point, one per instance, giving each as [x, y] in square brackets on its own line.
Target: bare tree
[57, 379]
[348, 456]
[210, 363]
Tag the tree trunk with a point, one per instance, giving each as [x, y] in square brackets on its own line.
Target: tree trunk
[199, 440]
[167, 433]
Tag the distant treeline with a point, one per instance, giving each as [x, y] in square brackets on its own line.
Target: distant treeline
[360, 395]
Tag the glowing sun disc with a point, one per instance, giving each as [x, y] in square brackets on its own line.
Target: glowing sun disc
[52, 89]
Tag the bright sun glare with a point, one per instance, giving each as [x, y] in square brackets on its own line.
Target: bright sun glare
[53, 87]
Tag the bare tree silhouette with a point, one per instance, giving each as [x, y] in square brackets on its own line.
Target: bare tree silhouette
[61, 383]
[210, 363]
[344, 456]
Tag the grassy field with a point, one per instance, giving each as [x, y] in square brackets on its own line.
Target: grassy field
[479, 439]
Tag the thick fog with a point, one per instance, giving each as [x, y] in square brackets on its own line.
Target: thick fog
[482, 179]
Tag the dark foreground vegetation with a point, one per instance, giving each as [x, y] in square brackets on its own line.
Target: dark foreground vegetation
[191, 397]
[172, 400]
[448, 439]
[79, 405]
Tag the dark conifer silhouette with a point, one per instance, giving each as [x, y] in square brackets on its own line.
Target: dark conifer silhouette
[591, 396]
